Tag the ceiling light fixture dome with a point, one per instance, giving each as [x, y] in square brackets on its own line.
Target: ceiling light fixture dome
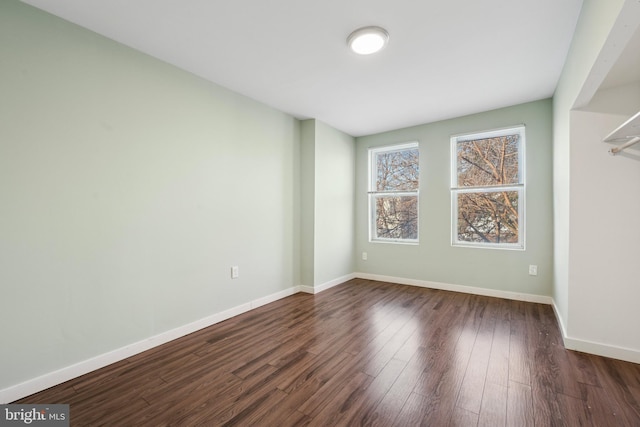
[368, 40]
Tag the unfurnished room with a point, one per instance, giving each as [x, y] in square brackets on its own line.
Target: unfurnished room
[294, 213]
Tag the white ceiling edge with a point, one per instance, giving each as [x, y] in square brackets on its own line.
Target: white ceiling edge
[618, 63]
[444, 60]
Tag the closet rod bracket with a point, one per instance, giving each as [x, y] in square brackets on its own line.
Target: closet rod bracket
[632, 141]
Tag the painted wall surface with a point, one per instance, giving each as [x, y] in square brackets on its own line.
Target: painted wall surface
[307, 184]
[595, 22]
[595, 287]
[328, 161]
[334, 204]
[434, 258]
[605, 239]
[128, 188]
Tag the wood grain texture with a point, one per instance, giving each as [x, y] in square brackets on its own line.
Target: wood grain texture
[363, 353]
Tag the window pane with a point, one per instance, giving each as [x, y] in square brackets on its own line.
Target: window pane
[488, 217]
[490, 161]
[397, 170]
[396, 217]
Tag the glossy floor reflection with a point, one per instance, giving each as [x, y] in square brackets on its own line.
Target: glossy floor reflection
[364, 353]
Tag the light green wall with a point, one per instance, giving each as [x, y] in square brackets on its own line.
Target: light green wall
[307, 221]
[128, 188]
[434, 259]
[328, 161]
[334, 204]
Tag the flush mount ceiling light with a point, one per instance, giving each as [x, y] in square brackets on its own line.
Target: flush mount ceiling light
[368, 40]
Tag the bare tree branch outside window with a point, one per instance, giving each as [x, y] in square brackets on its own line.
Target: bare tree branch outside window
[394, 194]
[489, 187]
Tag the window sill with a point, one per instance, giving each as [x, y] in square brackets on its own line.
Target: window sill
[396, 242]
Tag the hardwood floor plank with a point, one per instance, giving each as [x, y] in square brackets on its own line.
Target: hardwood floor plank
[546, 409]
[262, 356]
[471, 391]
[519, 405]
[602, 409]
[387, 346]
[318, 400]
[617, 377]
[256, 411]
[322, 370]
[363, 353]
[519, 353]
[60, 394]
[297, 419]
[414, 411]
[313, 382]
[127, 409]
[549, 351]
[336, 410]
[171, 395]
[126, 399]
[498, 368]
[394, 400]
[582, 368]
[573, 410]
[493, 412]
[365, 410]
[441, 381]
[205, 406]
[550, 375]
[463, 418]
[413, 342]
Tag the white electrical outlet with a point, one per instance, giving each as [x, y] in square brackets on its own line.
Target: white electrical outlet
[364, 256]
[533, 270]
[235, 272]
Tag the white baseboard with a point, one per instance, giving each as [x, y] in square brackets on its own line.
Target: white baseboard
[306, 289]
[51, 379]
[335, 282]
[599, 349]
[271, 298]
[563, 329]
[585, 346]
[327, 285]
[541, 299]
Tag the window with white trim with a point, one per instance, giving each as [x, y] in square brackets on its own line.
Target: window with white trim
[488, 188]
[393, 193]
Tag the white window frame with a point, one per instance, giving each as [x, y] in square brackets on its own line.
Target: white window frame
[520, 187]
[373, 193]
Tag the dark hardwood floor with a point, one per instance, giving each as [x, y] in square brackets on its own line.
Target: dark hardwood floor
[363, 353]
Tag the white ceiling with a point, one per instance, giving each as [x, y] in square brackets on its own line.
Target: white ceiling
[444, 58]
